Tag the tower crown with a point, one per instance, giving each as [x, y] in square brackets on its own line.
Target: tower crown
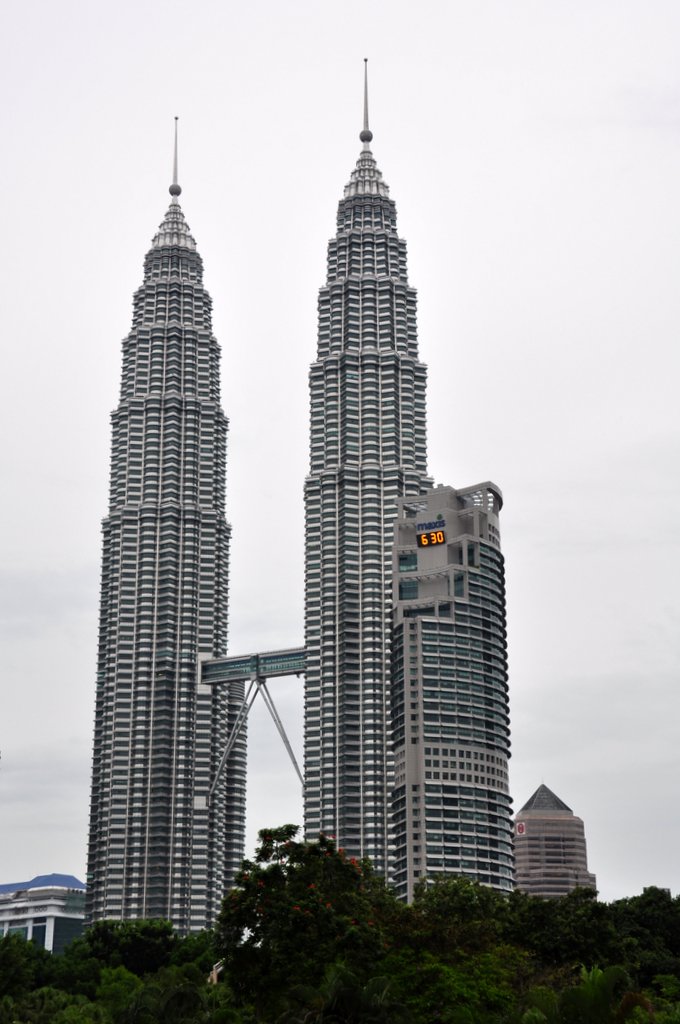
[173, 229]
[366, 179]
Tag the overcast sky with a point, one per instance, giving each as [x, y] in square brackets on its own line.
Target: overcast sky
[533, 150]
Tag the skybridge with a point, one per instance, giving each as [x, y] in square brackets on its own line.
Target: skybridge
[254, 670]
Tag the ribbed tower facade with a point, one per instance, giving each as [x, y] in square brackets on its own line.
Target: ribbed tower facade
[368, 448]
[158, 847]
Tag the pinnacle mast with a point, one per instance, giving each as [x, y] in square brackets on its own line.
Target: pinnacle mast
[366, 135]
[175, 189]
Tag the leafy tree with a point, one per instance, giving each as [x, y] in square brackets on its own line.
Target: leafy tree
[298, 908]
[23, 965]
[543, 1006]
[649, 925]
[586, 931]
[40, 1006]
[668, 986]
[600, 997]
[143, 947]
[77, 970]
[117, 988]
[668, 1015]
[197, 948]
[457, 987]
[458, 913]
[575, 929]
[179, 995]
[343, 999]
[82, 1011]
[449, 961]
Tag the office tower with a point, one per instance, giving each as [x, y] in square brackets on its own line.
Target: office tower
[158, 846]
[368, 448]
[450, 803]
[550, 847]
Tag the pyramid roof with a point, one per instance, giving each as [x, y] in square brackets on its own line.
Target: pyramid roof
[545, 800]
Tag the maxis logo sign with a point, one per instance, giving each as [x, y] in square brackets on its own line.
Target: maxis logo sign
[436, 524]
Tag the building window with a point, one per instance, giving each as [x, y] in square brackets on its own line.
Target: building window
[408, 562]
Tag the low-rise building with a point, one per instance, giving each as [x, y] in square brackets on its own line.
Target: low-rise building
[49, 910]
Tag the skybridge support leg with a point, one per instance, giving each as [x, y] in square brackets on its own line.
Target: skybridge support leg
[257, 684]
[243, 711]
[267, 698]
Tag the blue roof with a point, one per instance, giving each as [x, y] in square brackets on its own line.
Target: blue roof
[42, 881]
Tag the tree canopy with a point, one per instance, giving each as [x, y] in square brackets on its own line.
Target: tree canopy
[309, 934]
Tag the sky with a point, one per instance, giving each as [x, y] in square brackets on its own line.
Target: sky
[533, 150]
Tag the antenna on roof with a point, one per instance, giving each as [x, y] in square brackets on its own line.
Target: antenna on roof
[175, 189]
[366, 134]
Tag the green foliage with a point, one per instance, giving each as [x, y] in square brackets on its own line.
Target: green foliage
[310, 935]
[649, 925]
[198, 948]
[600, 997]
[543, 1007]
[178, 995]
[668, 986]
[82, 1011]
[117, 988]
[575, 929]
[668, 1015]
[48, 1005]
[23, 965]
[455, 987]
[77, 970]
[341, 997]
[299, 908]
[457, 913]
[143, 947]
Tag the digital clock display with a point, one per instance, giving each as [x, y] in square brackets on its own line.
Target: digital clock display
[426, 540]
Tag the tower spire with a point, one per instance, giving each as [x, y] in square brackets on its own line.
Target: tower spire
[366, 134]
[175, 189]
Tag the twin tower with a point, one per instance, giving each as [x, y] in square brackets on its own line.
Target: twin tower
[406, 707]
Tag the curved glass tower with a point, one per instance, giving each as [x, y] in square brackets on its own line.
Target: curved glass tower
[450, 714]
[157, 847]
[368, 448]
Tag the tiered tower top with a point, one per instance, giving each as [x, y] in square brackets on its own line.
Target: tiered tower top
[366, 179]
[173, 229]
